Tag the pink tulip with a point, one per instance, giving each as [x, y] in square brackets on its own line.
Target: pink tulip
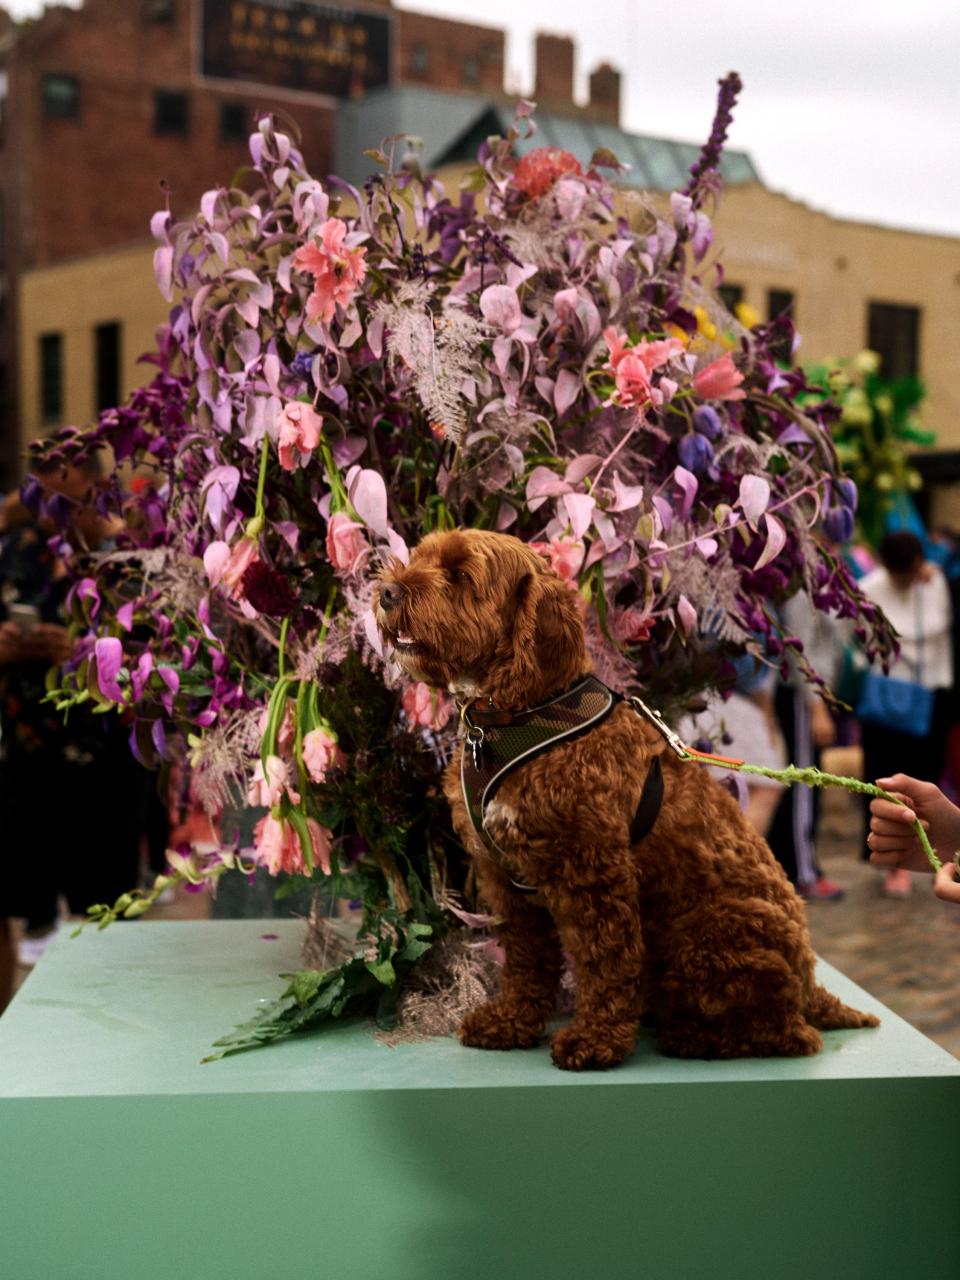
[268, 788]
[719, 381]
[346, 544]
[320, 754]
[634, 388]
[286, 734]
[336, 270]
[425, 706]
[299, 434]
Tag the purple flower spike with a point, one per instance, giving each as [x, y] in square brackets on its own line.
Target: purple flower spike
[695, 452]
[838, 524]
[706, 421]
[847, 493]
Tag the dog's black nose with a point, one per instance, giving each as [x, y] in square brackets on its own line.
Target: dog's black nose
[391, 594]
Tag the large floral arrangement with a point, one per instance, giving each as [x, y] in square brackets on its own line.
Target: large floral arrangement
[344, 371]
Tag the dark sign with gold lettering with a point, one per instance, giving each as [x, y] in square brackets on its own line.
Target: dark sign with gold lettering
[296, 44]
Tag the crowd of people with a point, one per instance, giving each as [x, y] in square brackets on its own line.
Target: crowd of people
[83, 822]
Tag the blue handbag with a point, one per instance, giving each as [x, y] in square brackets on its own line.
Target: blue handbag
[902, 705]
[906, 706]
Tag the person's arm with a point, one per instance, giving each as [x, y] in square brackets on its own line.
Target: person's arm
[893, 842]
[46, 642]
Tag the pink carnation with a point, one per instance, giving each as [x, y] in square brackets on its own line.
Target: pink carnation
[321, 754]
[719, 381]
[336, 270]
[346, 543]
[631, 626]
[428, 707]
[277, 846]
[299, 434]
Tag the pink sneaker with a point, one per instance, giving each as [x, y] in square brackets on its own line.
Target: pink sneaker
[822, 890]
[897, 883]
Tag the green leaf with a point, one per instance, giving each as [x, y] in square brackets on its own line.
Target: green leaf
[305, 983]
[383, 972]
[420, 930]
[414, 950]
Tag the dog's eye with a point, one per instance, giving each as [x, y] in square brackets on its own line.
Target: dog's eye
[456, 577]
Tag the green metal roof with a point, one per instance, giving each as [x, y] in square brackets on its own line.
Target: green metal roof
[452, 126]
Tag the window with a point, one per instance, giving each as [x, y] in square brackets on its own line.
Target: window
[471, 69]
[730, 295]
[61, 97]
[170, 113]
[419, 60]
[51, 377]
[234, 122]
[780, 302]
[106, 363]
[894, 333]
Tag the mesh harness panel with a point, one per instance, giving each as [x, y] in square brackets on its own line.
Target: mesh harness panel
[499, 741]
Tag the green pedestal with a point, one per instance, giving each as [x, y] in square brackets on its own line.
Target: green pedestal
[334, 1156]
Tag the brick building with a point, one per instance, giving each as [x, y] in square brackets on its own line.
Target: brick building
[99, 105]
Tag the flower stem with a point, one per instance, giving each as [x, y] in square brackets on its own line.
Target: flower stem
[284, 625]
[262, 477]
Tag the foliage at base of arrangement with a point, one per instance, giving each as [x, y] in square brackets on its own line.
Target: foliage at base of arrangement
[366, 985]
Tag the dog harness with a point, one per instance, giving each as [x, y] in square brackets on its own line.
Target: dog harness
[499, 740]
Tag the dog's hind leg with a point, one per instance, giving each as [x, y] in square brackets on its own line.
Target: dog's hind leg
[600, 927]
[827, 1012]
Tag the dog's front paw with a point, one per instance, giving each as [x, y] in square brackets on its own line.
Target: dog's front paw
[573, 1049]
[499, 1025]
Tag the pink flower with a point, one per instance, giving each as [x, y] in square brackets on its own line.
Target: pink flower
[299, 434]
[500, 306]
[268, 789]
[634, 388]
[277, 846]
[426, 706]
[226, 565]
[346, 544]
[565, 556]
[336, 270]
[719, 381]
[320, 754]
[631, 626]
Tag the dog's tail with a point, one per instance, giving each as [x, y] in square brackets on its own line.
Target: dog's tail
[825, 1012]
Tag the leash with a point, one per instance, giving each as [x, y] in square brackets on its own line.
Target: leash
[790, 776]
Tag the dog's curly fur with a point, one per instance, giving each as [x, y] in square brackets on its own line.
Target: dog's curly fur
[695, 926]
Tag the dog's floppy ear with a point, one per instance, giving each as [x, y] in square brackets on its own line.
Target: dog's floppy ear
[544, 650]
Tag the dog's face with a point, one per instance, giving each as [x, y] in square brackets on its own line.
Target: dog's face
[480, 612]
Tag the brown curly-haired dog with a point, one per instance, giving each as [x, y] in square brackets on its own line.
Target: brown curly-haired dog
[695, 924]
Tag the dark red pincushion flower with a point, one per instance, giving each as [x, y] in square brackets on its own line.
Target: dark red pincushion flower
[268, 590]
[538, 170]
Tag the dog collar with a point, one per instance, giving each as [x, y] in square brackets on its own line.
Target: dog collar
[499, 740]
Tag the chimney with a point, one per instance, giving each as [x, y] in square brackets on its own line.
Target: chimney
[605, 94]
[554, 79]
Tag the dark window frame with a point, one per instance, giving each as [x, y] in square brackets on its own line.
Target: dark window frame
[235, 121]
[50, 347]
[474, 62]
[52, 106]
[168, 120]
[107, 364]
[893, 331]
[731, 295]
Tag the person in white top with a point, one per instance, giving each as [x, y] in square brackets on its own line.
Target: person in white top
[915, 597]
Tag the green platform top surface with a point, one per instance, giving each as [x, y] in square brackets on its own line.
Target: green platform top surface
[132, 1011]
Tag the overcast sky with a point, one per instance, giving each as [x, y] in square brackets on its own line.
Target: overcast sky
[850, 105]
